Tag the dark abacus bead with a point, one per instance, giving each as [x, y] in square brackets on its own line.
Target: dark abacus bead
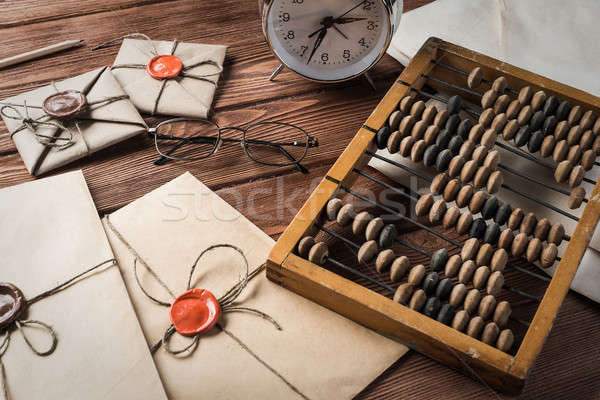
[535, 142]
[430, 155]
[430, 283]
[549, 125]
[444, 288]
[522, 136]
[439, 259]
[478, 228]
[443, 139]
[503, 214]
[387, 236]
[492, 233]
[443, 160]
[446, 314]
[488, 211]
[382, 137]
[551, 105]
[452, 124]
[563, 110]
[464, 128]
[537, 121]
[432, 307]
[454, 104]
[455, 144]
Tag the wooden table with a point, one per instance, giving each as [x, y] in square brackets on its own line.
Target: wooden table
[569, 364]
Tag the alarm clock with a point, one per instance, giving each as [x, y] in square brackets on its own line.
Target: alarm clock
[329, 40]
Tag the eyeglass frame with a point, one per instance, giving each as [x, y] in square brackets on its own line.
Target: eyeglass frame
[218, 140]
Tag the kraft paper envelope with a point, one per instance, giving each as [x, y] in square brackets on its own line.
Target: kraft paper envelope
[182, 96]
[102, 125]
[318, 354]
[50, 233]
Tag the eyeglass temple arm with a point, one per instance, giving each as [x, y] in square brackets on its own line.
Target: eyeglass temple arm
[297, 164]
[312, 141]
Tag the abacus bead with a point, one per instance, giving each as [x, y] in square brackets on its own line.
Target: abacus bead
[452, 266]
[454, 104]
[490, 207]
[304, 246]
[394, 119]
[446, 314]
[417, 301]
[466, 150]
[514, 221]
[393, 143]
[418, 130]
[475, 77]
[596, 128]
[464, 223]
[382, 136]
[502, 313]
[494, 182]
[416, 275]
[455, 166]
[560, 151]
[367, 252]
[547, 146]
[551, 105]
[587, 159]
[457, 295]
[499, 260]
[503, 213]
[373, 228]
[406, 103]
[318, 253]
[360, 222]
[455, 144]
[499, 123]
[404, 293]
[549, 125]
[429, 114]
[384, 260]
[575, 115]
[479, 154]
[490, 333]
[563, 110]
[477, 201]
[488, 140]
[500, 84]
[484, 255]
[587, 121]
[525, 95]
[452, 124]
[436, 214]
[439, 182]
[524, 115]
[443, 160]
[542, 228]
[587, 140]
[529, 223]
[576, 197]
[487, 305]
[430, 283]
[467, 269]
[576, 176]
[522, 136]
[519, 245]
[596, 145]
[556, 234]
[430, 155]
[481, 177]
[548, 255]
[491, 160]
[451, 190]
[538, 100]
[563, 170]
[333, 207]
[513, 109]
[464, 128]
[494, 283]
[475, 327]
[441, 118]
[574, 154]
[464, 196]
[406, 146]
[562, 130]
[469, 249]
[468, 170]
[501, 104]
[486, 117]
[432, 307]
[480, 277]
[460, 321]
[505, 340]
[443, 139]
[477, 229]
[424, 205]
[451, 217]
[406, 125]
[535, 142]
[345, 215]
[439, 259]
[488, 99]
[492, 233]
[574, 135]
[472, 300]
[387, 236]
[417, 109]
[416, 153]
[506, 238]
[399, 268]
[476, 133]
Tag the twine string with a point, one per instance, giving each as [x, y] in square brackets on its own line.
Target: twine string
[130, 35]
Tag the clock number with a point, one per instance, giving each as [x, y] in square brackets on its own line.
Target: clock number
[346, 54]
[297, 1]
[285, 17]
[363, 42]
[303, 50]
[324, 57]
[367, 5]
[370, 25]
[291, 35]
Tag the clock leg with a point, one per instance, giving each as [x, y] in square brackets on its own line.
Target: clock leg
[370, 80]
[276, 72]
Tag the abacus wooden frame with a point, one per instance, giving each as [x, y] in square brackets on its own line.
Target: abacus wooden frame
[502, 371]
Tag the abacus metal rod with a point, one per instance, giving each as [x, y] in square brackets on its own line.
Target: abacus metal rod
[453, 69]
[358, 273]
[452, 85]
[404, 167]
[338, 236]
[522, 294]
[387, 185]
[442, 100]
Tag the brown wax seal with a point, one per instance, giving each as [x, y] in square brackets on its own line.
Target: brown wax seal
[12, 304]
[65, 105]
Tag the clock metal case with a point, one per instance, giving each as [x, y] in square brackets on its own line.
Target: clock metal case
[502, 371]
[393, 10]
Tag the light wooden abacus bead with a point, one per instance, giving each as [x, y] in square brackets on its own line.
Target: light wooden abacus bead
[318, 253]
[406, 125]
[576, 198]
[417, 109]
[464, 195]
[506, 238]
[416, 275]
[538, 100]
[345, 215]
[406, 145]
[501, 104]
[486, 117]
[519, 245]
[467, 269]
[525, 95]
[479, 154]
[451, 191]
[333, 207]
[488, 99]
[429, 114]
[464, 223]
[505, 340]
[373, 229]
[400, 266]
[424, 204]
[367, 252]
[304, 246]
[477, 201]
[406, 103]
[512, 111]
[393, 143]
[360, 222]
[475, 78]
[417, 151]
[438, 183]
[451, 217]
[403, 293]
[453, 265]
[394, 119]
[384, 260]
[437, 212]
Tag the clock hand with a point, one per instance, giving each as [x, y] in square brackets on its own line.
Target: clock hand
[340, 32]
[347, 20]
[317, 44]
[352, 9]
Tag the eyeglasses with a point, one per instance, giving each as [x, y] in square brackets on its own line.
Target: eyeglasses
[269, 143]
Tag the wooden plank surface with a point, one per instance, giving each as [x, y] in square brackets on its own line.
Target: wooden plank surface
[268, 196]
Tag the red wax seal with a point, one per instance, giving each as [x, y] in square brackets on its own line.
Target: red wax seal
[65, 105]
[194, 312]
[12, 304]
[164, 67]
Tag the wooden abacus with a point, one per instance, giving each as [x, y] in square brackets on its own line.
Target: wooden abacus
[455, 308]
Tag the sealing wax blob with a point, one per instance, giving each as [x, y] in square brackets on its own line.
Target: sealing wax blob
[164, 67]
[12, 304]
[65, 105]
[195, 311]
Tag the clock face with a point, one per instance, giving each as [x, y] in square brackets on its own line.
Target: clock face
[328, 40]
